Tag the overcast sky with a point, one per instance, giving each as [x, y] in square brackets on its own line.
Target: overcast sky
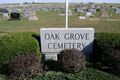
[76, 1]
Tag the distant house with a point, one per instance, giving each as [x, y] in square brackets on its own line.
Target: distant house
[104, 14]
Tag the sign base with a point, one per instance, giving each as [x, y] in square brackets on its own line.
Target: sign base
[51, 56]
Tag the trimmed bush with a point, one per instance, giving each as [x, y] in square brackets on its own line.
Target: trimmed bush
[103, 44]
[114, 62]
[72, 60]
[85, 74]
[16, 44]
[1, 77]
[25, 66]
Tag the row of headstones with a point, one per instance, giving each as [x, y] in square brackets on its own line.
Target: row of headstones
[62, 6]
[89, 14]
[33, 9]
[78, 9]
[16, 16]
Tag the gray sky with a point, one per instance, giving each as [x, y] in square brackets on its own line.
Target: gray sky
[76, 1]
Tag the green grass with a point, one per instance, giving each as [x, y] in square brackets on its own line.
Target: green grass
[51, 19]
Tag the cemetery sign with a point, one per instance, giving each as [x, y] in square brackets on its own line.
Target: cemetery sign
[53, 40]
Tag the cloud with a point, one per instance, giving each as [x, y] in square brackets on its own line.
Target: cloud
[36, 0]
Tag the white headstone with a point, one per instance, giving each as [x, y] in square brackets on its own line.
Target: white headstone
[5, 15]
[61, 14]
[32, 16]
[88, 14]
[82, 17]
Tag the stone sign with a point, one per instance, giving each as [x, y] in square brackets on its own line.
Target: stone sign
[53, 40]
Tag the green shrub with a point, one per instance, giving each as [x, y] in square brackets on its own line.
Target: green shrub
[91, 74]
[85, 74]
[114, 62]
[51, 75]
[25, 66]
[16, 44]
[103, 44]
[72, 60]
[1, 77]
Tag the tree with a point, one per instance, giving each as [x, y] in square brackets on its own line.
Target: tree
[33, 2]
[25, 2]
[81, 2]
[90, 2]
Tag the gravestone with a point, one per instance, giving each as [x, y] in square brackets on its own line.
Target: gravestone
[26, 13]
[117, 10]
[14, 10]
[92, 10]
[1, 10]
[88, 14]
[44, 9]
[32, 16]
[81, 17]
[15, 16]
[33, 9]
[55, 9]
[103, 8]
[5, 15]
[19, 10]
[53, 40]
[61, 14]
[98, 10]
[69, 12]
[79, 10]
[108, 7]
[6, 11]
[104, 14]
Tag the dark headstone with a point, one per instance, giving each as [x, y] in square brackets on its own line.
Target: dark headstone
[98, 10]
[15, 16]
[6, 11]
[1, 9]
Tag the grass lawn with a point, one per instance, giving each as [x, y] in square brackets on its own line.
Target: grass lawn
[51, 19]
